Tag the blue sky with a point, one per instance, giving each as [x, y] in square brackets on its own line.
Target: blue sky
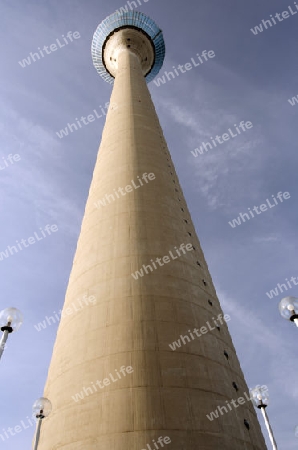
[251, 79]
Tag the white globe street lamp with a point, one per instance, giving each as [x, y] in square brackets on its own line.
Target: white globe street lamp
[41, 408]
[10, 320]
[260, 398]
[288, 308]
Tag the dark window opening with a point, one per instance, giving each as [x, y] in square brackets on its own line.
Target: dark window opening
[189, 233]
[246, 423]
[235, 386]
[204, 282]
[210, 302]
[226, 354]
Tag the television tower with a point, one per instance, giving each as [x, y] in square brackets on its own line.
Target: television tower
[114, 381]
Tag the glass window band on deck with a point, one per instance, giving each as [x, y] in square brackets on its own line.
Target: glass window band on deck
[134, 19]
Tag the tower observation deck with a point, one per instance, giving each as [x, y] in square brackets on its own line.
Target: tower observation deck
[133, 31]
[116, 381]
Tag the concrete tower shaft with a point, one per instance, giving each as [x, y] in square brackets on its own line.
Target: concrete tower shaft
[133, 321]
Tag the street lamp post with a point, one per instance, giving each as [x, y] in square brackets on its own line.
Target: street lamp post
[260, 398]
[10, 320]
[41, 408]
[288, 308]
[268, 426]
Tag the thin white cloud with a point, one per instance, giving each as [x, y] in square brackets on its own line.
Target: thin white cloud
[28, 180]
[237, 158]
